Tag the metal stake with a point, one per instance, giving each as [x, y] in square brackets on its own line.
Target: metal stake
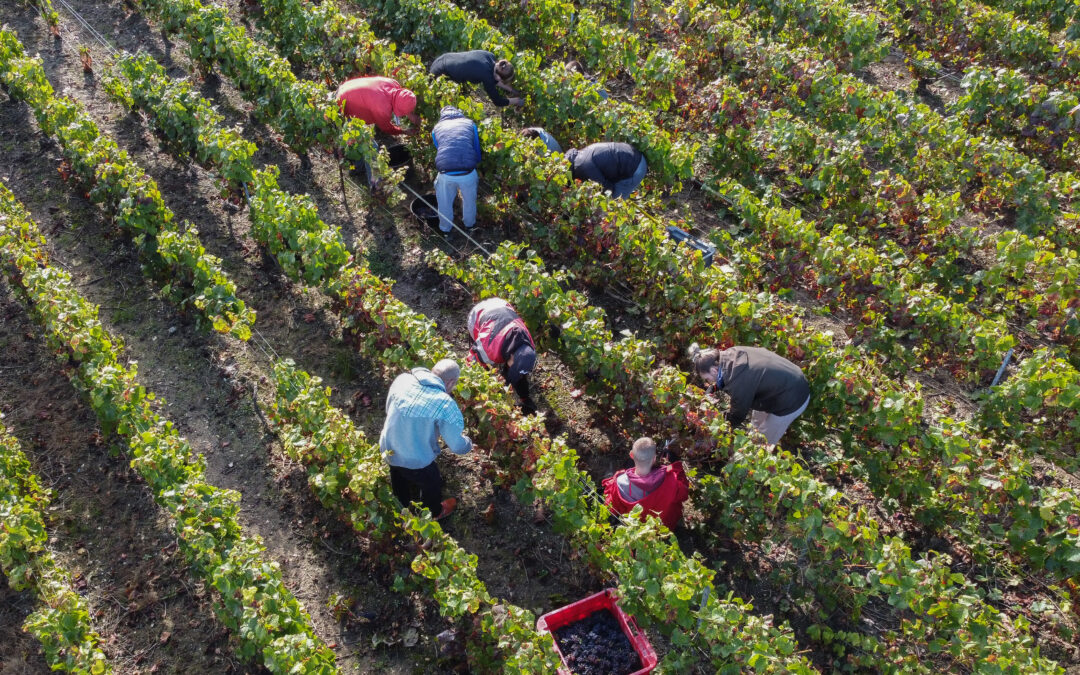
[1001, 370]
[704, 599]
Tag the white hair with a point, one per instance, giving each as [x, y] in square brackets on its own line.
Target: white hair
[644, 451]
[448, 371]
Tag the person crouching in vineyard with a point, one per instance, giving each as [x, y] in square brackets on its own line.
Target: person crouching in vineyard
[576, 67]
[501, 338]
[765, 386]
[660, 490]
[380, 101]
[479, 67]
[419, 410]
[550, 143]
[618, 167]
[457, 154]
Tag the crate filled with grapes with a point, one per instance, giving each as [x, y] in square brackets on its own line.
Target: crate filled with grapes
[594, 636]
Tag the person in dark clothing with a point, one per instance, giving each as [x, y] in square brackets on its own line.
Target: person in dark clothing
[479, 67]
[501, 338]
[457, 154]
[618, 167]
[765, 386]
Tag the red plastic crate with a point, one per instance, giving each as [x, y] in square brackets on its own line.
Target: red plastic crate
[605, 599]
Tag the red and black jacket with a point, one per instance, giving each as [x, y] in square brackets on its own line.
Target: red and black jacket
[496, 331]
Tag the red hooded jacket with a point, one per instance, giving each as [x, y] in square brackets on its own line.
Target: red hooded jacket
[666, 501]
[376, 100]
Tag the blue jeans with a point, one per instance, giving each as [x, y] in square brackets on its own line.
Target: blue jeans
[624, 187]
[447, 188]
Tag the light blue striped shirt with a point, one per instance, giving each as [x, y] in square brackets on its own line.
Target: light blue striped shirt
[418, 413]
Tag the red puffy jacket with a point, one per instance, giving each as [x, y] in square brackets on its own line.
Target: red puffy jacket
[376, 100]
[666, 501]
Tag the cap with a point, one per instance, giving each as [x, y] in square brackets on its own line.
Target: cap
[524, 361]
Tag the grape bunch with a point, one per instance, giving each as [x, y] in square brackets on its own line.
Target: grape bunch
[596, 645]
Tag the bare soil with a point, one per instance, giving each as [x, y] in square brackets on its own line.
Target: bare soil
[103, 524]
[890, 73]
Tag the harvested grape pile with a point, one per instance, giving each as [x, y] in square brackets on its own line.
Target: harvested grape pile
[596, 645]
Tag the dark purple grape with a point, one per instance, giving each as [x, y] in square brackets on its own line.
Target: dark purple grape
[596, 645]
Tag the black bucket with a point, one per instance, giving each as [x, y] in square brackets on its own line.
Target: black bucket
[424, 213]
[401, 157]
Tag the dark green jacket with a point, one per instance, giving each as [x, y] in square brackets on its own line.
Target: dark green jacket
[757, 379]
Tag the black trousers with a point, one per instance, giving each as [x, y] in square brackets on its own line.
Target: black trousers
[521, 388]
[405, 483]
